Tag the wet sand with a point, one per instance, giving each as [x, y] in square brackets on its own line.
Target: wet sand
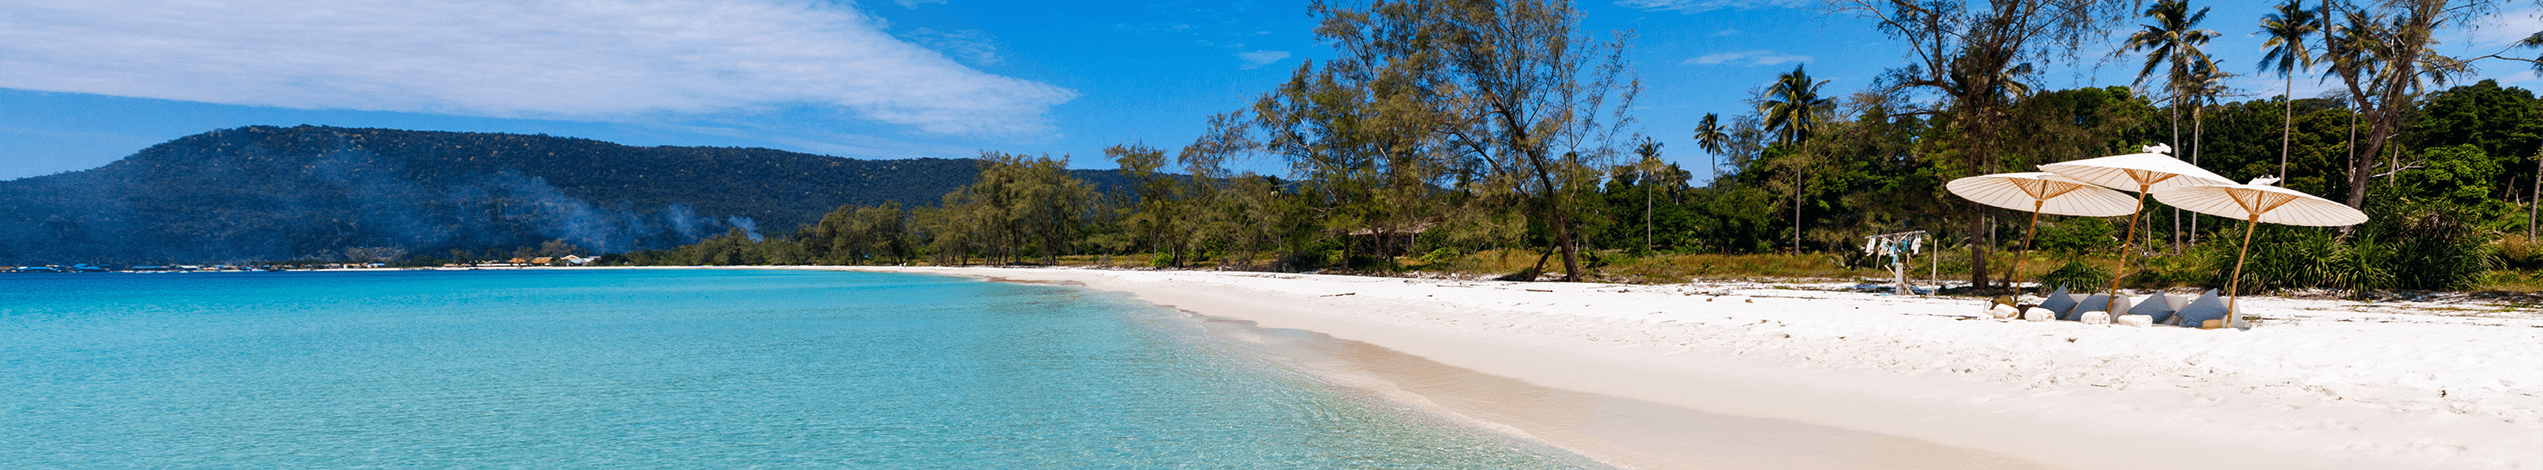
[1618, 431]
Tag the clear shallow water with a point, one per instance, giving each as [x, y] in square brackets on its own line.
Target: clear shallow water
[679, 369]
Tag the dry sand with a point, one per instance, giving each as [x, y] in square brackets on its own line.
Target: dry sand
[1746, 375]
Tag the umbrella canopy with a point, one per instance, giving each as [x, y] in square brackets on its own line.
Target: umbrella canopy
[2256, 203]
[2041, 193]
[2136, 172]
[2273, 204]
[2045, 193]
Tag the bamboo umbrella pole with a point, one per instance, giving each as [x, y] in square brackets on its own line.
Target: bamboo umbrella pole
[2033, 233]
[2129, 242]
[2234, 287]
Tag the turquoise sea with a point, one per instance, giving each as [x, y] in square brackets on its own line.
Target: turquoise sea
[665, 369]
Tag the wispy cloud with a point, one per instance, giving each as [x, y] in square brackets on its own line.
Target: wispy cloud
[538, 59]
[969, 45]
[2506, 29]
[1750, 58]
[1700, 6]
[916, 3]
[1258, 59]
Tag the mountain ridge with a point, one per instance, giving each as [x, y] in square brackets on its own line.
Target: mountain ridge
[266, 192]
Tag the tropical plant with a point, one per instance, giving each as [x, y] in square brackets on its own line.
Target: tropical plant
[1794, 109]
[2075, 274]
[1711, 136]
[2173, 38]
[2288, 29]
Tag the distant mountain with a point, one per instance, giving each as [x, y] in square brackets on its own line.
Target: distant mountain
[268, 193]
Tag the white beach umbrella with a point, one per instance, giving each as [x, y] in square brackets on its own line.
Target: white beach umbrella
[2256, 203]
[2041, 193]
[2136, 172]
[2140, 173]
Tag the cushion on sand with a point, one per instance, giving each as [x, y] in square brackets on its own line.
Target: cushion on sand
[2135, 320]
[2038, 314]
[2157, 307]
[2003, 311]
[2095, 303]
[2095, 317]
[2207, 307]
[2059, 302]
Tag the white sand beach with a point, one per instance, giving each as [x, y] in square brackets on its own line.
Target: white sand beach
[1754, 375]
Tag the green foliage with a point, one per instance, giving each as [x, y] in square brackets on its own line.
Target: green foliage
[2418, 246]
[2518, 253]
[2282, 257]
[2500, 123]
[1443, 256]
[2079, 235]
[2458, 175]
[2077, 276]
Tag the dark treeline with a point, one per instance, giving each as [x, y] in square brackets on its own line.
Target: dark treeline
[266, 194]
[1443, 129]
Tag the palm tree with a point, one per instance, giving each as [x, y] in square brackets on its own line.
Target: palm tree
[2206, 83]
[1711, 136]
[2172, 38]
[1794, 109]
[1650, 152]
[2287, 29]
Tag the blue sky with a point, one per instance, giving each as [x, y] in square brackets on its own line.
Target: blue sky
[85, 83]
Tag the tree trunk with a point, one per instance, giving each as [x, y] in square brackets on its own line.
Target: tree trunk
[2388, 110]
[2356, 196]
[2287, 134]
[2198, 142]
[1571, 250]
[1796, 210]
[1977, 247]
[2176, 153]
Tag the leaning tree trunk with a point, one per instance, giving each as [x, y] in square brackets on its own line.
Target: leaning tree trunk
[1564, 237]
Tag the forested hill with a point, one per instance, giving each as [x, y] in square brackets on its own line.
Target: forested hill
[269, 193]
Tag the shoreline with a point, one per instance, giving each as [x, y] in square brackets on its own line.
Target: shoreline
[1978, 393]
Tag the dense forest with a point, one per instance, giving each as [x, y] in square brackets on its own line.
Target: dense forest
[272, 193]
[1440, 131]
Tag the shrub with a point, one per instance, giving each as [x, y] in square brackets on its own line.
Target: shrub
[2078, 235]
[2281, 257]
[1445, 255]
[2516, 252]
[2076, 276]
[2418, 246]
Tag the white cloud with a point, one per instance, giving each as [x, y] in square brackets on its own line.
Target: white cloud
[1752, 58]
[1700, 6]
[2505, 28]
[1726, 32]
[534, 59]
[969, 45]
[916, 3]
[1258, 59]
